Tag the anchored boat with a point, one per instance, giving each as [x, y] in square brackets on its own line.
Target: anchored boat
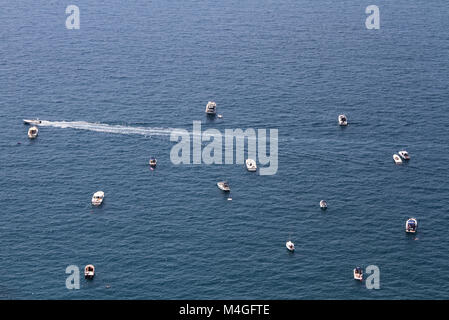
[323, 204]
[89, 271]
[97, 198]
[358, 274]
[211, 108]
[224, 185]
[33, 132]
[397, 159]
[251, 165]
[411, 225]
[153, 162]
[404, 155]
[290, 246]
[342, 120]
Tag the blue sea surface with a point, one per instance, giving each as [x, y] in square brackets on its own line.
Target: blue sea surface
[170, 233]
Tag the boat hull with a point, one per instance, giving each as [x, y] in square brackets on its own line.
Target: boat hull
[290, 246]
[224, 188]
[32, 122]
[251, 165]
[33, 132]
[397, 159]
[409, 230]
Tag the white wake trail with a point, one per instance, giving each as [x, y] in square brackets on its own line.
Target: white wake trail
[102, 127]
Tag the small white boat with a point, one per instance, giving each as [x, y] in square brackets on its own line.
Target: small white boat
[323, 204]
[404, 155]
[211, 107]
[33, 132]
[397, 159]
[411, 225]
[32, 122]
[223, 185]
[251, 165]
[97, 198]
[358, 274]
[220, 116]
[89, 271]
[290, 246]
[342, 120]
[153, 162]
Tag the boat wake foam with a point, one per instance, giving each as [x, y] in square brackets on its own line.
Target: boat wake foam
[102, 127]
[126, 130]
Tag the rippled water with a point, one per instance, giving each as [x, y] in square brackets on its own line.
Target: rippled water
[133, 73]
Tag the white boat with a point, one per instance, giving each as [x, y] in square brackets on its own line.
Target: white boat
[33, 132]
[290, 246]
[323, 204]
[211, 107]
[251, 165]
[397, 159]
[411, 225]
[89, 271]
[32, 122]
[358, 274]
[342, 120]
[223, 185]
[153, 162]
[404, 155]
[97, 198]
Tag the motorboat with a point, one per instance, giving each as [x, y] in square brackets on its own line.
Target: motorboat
[33, 132]
[89, 271]
[411, 225]
[223, 185]
[342, 120]
[153, 162]
[404, 155]
[220, 116]
[358, 274]
[211, 108]
[97, 198]
[32, 122]
[251, 165]
[397, 159]
[290, 246]
[323, 204]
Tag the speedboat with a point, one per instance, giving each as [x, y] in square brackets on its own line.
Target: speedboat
[411, 225]
[223, 185]
[153, 162]
[397, 159]
[251, 165]
[323, 204]
[342, 120]
[97, 198]
[32, 122]
[290, 246]
[404, 155]
[33, 132]
[211, 108]
[89, 271]
[358, 274]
